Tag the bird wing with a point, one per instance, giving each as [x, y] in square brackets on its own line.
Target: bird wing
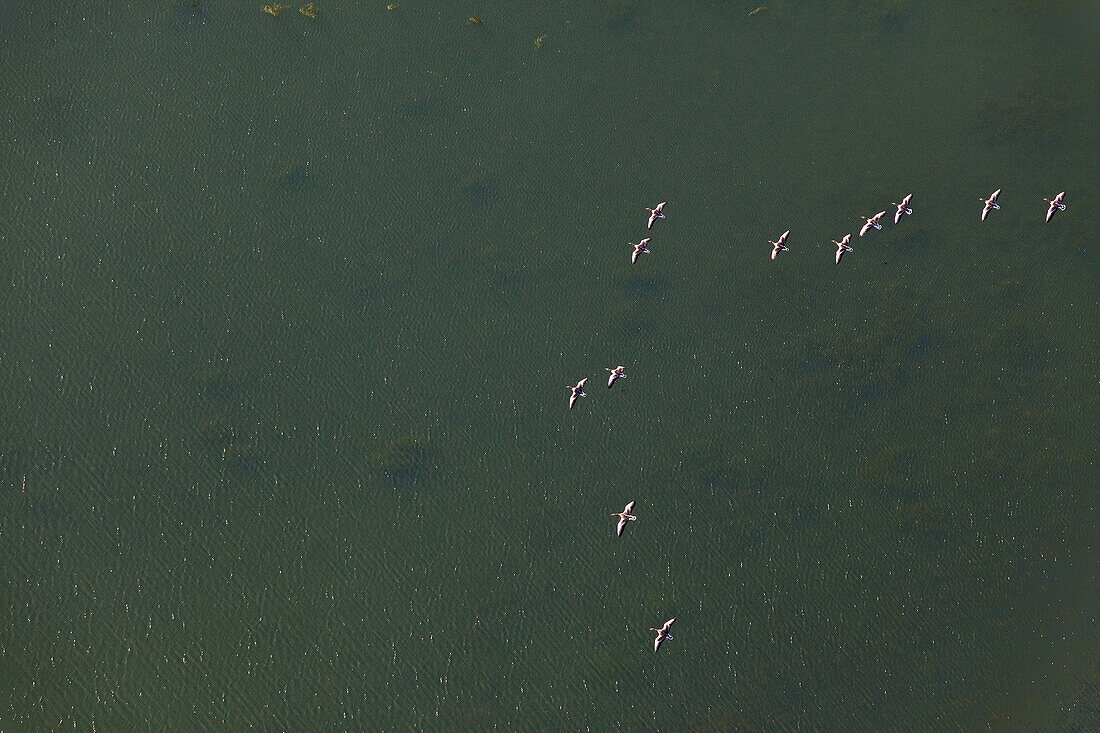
[657, 642]
[905, 201]
[619, 529]
[1060, 196]
[783, 239]
[629, 508]
[864, 229]
[775, 251]
[572, 400]
[993, 198]
[660, 207]
[879, 215]
[985, 211]
[668, 624]
[634, 256]
[1051, 209]
[652, 218]
[839, 253]
[900, 212]
[580, 384]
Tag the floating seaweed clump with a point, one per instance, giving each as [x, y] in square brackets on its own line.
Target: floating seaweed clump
[274, 10]
[310, 10]
[475, 20]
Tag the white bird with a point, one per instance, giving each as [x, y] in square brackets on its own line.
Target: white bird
[639, 249]
[1055, 204]
[842, 247]
[616, 373]
[655, 213]
[903, 209]
[624, 517]
[662, 633]
[577, 391]
[779, 246]
[990, 203]
[871, 222]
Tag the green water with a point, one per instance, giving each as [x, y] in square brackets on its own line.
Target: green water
[289, 306]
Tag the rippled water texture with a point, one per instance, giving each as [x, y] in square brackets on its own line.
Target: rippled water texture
[289, 305]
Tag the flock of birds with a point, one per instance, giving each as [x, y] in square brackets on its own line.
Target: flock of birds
[780, 245]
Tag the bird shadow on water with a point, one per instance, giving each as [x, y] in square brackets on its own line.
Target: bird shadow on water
[407, 461]
[917, 241]
[61, 121]
[1031, 121]
[226, 432]
[189, 16]
[621, 16]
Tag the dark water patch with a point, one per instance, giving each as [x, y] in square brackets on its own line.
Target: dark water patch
[621, 16]
[406, 460]
[368, 291]
[631, 320]
[418, 108]
[509, 285]
[245, 457]
[1032, 121]
[915, 241]
[293, 180]
[719, 468]
[649, 288]
[61, 120]
[481, 194]
[927, 518]
[189, 16]
[221, 383]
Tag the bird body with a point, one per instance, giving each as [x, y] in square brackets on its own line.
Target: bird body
[576, 392]
[662, 633]
[639, 250]
[780, 245]
[655, 213]
[1055, 204]
[624, 517]
[990, 203]
[842, 247]
[903, 209]
[872, 221]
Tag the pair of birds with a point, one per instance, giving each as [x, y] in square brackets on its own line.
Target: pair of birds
[640, 248]
[618, 372]
[625, 516]
[842, 246]
[1055, 204]
[873, 221]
